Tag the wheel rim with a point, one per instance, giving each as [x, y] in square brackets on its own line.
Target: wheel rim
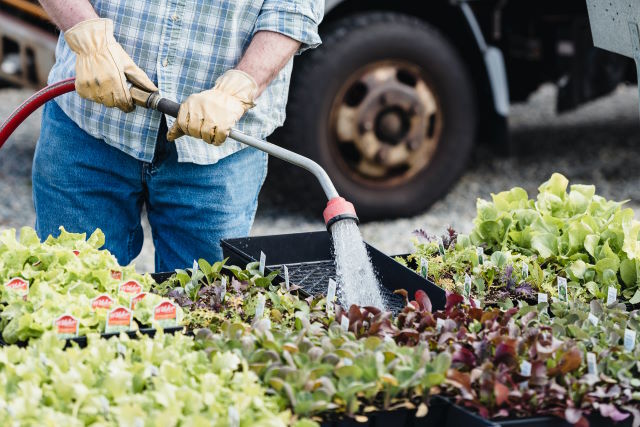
[385, 123]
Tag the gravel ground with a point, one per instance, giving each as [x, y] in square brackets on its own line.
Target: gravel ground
[596, 144]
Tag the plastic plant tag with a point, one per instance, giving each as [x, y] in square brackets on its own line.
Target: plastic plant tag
[525, 270]
[135, 299]
[223, 288]
[130, 287]
[260, 307]
[194, 274]
[480, 253]
[103, 301]
[542, 298]
[344, 323]
[424, 267]
[66, 326]
[76, 252]
[439, 324]
[118, 320]
[592, 365]
[441, 247]
[525, 371]
[347, 362]
[562, 289]
[117, 275]
[467, 286]
[612, 294]
[234, 417]
[286, 276]
[18, 285]
[165, 314]
[477, 302]
[331, 290]
[593, 319]
[629, 340]
[263, 263]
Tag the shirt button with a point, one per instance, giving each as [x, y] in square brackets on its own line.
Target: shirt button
[175, 18]
[165, 62]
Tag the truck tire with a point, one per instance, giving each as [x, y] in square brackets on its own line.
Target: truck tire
[387, 106]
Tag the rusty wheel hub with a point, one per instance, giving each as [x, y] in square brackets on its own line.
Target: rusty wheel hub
[386, 123]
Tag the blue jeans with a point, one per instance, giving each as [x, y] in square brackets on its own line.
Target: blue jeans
[83, 183]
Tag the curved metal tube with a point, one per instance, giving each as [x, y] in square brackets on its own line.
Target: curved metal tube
[170, 108]
[290, 157]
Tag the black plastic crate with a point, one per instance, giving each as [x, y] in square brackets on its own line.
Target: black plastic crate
[442, 413]
[308, 256]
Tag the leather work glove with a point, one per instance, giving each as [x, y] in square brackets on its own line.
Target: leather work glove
[102, 65]
[210, 115]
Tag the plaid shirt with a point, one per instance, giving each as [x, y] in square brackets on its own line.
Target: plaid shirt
[184, 46]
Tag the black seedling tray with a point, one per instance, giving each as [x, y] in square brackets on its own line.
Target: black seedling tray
[442, 413]
[309, 258]
[595, 420]
[82, 340]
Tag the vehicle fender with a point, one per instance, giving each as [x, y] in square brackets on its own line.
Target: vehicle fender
[494, 63]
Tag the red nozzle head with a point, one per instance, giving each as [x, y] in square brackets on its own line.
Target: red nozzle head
[338, 209]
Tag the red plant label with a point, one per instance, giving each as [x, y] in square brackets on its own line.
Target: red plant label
[18, 285]
[130, 287]
[166, 314]
[119, 319]
[66, 326]
[102, 301]
[134, 300]
[76, 252]
[116, 275]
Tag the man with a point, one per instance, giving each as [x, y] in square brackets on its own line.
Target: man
[96, 166]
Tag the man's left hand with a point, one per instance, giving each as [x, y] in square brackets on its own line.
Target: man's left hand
[211, 114]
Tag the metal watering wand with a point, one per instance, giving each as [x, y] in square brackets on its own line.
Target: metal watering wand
[337, 207]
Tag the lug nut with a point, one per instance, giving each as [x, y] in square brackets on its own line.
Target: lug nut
[413, 144]
[365, 127]
[382, 155]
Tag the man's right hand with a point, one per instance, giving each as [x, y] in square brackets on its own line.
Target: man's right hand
[102, 65]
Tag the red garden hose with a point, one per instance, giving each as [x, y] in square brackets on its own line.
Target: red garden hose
[32, 104]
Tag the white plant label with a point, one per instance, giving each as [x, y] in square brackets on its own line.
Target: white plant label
[592, 365]
[477, 302]
[223, 288]
[542, 298]
[467, 286]
[424, 267]
[562, 289]
[593, 319]
[234, 417]
[286, 276]
[629, 339]
[260, 307]
[439, 324]
[525, 270]
[347, 362]
[194, 273]
[344, 323]
[612, 294]
[441, 247]
[263, 263]
[480, 253]
[525, 371]
[331, 291]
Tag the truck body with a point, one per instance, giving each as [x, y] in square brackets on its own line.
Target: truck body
[394, 100]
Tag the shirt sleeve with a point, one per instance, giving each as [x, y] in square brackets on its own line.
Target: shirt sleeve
[298, 19]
